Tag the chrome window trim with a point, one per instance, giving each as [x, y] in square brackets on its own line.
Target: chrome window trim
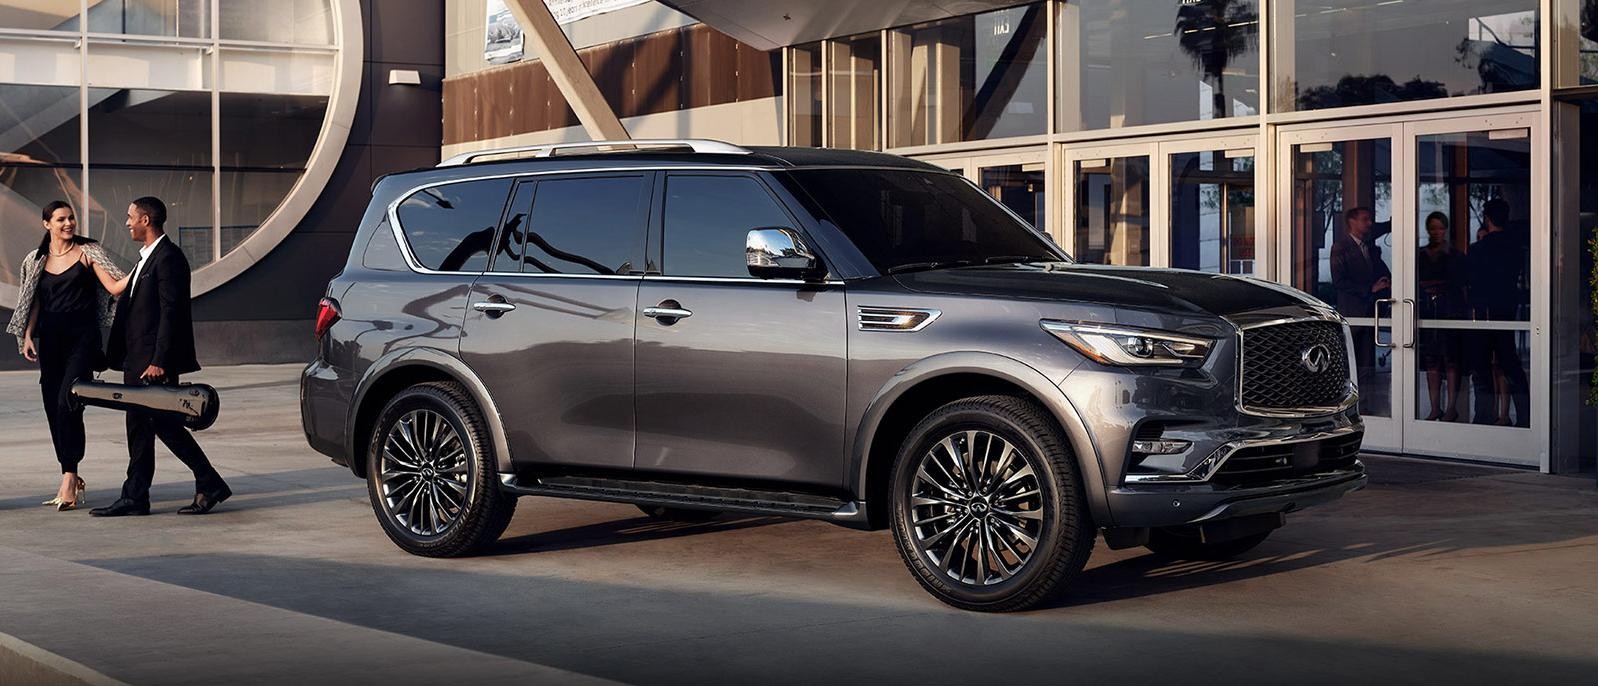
[1351, 387]
[1209, 466]
[744, 280]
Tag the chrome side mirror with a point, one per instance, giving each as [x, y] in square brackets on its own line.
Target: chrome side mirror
[779, 254]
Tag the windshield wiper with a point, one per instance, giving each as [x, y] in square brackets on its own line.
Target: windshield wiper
[1015, 259]
[927, 266]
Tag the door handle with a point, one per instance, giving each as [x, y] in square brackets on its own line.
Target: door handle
[668, 312]
[1376, 328]
[1414, 323]
[493, 308]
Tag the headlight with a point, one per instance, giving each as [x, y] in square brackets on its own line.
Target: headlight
[1129, 346]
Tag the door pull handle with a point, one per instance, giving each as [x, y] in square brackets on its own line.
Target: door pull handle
[667, 313]
[1376, 327]
[492, 307]
[1414, 323]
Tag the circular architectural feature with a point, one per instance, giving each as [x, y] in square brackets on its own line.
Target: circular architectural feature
[233, 112]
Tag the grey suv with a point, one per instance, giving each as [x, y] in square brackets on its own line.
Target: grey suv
[695, 327]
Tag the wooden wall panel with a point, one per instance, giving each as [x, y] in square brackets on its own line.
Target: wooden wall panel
[694, 66]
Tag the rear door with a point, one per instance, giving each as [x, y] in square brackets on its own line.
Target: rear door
[750, 383]
[549, 327]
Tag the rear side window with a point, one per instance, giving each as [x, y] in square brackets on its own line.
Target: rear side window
[451, 227]
[707, 221]
[581, 225]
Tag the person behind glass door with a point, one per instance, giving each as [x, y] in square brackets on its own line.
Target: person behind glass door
[1442, 285]
[64, 299]
[1494, 267]
[1361, 277]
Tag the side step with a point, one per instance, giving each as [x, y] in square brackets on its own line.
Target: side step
[690, 496]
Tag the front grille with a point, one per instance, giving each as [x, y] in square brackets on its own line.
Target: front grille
[1275, 376]
[1260, 464]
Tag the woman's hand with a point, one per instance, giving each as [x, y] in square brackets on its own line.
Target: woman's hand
[28, 351]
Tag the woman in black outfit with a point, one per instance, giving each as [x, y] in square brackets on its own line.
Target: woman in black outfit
[1442, 284]
[66, 288]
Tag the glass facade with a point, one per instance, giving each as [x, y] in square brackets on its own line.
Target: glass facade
[978, 77]
[1112, 211]
[854, 89]
[1212, 211]
[214, 106]
[1132, 62]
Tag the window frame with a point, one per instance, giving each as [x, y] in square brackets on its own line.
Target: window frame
[656, 243]
[644, 215]
[404, 237]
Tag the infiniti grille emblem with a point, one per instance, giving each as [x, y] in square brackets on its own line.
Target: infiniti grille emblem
[1317, 358]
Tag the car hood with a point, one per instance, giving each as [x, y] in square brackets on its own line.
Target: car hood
[1173, 291]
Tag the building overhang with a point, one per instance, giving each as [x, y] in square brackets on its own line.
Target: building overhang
[772, 25]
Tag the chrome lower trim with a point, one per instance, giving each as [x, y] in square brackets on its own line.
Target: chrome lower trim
[1201, 472]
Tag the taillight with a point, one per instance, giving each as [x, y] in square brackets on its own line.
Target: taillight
[326, 316]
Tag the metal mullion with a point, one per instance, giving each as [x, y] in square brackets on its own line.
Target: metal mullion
[83, 105]
[216, 136]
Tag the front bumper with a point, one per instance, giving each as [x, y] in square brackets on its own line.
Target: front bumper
[1137, 506]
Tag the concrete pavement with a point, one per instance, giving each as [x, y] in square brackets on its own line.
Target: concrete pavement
[1434, 573]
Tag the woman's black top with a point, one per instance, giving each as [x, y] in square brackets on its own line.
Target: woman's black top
[68, 299]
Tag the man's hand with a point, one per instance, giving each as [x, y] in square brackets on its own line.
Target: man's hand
[28, 351]
[1381, 284]
[153, 373]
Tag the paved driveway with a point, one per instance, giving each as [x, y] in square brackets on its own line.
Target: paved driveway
[1436, 573]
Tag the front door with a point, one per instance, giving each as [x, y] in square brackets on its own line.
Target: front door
[737, 377]
[1420, 233]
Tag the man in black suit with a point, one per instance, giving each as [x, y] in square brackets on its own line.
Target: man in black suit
[152, 341]
[1359, 273]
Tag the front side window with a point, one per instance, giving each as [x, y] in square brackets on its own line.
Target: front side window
[708, 220]
[901, 219]
[582, 225]
[450, 228]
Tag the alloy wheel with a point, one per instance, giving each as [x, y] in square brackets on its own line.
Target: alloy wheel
[425, 473]
[976, 508]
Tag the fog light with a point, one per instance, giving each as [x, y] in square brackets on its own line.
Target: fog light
[1160, 447]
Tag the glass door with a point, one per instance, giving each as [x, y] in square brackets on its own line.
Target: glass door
[1468, 314]
[1109, 197]
[1421, 235]
[1019, 180]
[1207, 221]
[1338, 208]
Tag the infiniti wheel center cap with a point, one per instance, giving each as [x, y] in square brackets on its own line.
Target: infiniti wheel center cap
[427, 472]
[979, 508]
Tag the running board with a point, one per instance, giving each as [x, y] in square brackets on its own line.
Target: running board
[690, 496]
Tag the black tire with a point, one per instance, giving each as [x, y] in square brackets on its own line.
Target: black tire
[1057, 515]
[1180, 544]
[678, 514]
[485, 510]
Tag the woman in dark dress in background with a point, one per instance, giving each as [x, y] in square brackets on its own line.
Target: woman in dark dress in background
[1442, 286]
[66, 289]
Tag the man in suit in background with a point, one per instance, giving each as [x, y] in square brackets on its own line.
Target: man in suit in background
[152, 341]
[1361, 277]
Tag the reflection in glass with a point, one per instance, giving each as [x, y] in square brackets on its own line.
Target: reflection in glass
[42, 15]
[1479, 184]
[451, 227]
[578, 226]
[305, 22]
[1579, 340]
[178, 18]
[708, 219]
[975, 77]
[804, 95]
[39, 163]
[1375, 368]
[1212, 211]
[1143, 64]
[1474, 375]
[1020, 188]
[147, 142]
[1112, 211]
[1341, 255]
[854, 83]
[259, 171]
[1356, 52]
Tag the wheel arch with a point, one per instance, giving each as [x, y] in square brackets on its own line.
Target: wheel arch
[397, 371]
[930, 383]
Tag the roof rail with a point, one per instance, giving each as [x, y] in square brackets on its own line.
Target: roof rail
[550, 150]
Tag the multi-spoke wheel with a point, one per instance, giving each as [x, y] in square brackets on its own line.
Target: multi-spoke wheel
[430, 473]
[988, 510]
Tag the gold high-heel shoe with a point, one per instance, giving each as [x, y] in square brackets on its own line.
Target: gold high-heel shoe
[65, 505]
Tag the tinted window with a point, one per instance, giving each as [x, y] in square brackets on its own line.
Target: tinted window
[906, 217]
[584, 225]
[708, 219]
[451, 227]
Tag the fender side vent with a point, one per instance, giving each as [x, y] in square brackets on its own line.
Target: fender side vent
[900, 319]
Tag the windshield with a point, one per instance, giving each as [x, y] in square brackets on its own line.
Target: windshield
[905, 220]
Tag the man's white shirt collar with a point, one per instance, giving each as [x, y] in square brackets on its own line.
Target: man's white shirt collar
[144, 256]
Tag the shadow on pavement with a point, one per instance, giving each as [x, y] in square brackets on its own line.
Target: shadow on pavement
[623, 531]
[250, 491]
[662, 635]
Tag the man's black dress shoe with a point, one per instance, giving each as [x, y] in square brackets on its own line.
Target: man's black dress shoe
[203, 502]
[121, 508]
